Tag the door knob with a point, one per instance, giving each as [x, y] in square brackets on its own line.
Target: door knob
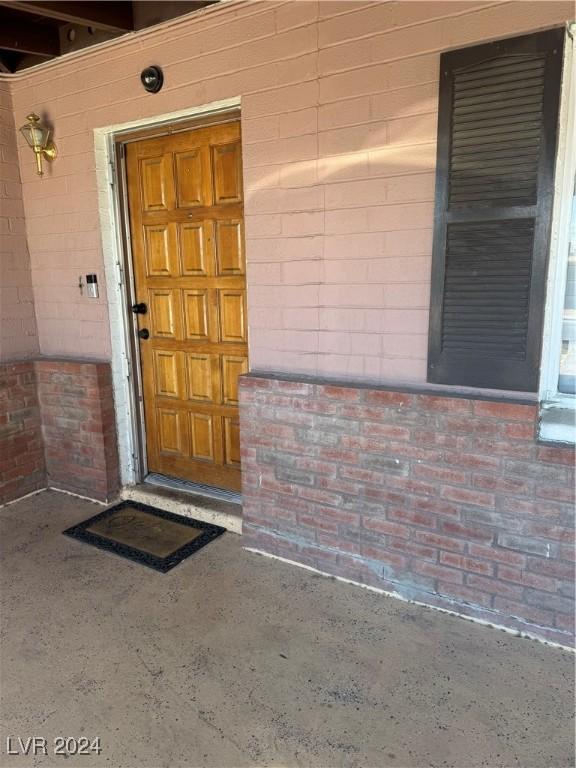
[139, 309]
[144, 333]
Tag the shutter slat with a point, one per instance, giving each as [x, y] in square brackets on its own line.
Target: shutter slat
[512, 94]
[499, 66]
[496, 85]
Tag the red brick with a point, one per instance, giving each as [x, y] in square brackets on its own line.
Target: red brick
[437, 540]
[441, 474]
[313, 465]
[497, 555]
[547, 531]
[376, 429]
[338, 485]
[524, 577]
[518, 450]
[494, 587]
[520, 430]
[465, 496]
[438, 572]
[341, 393]
[319, 496]
[549, 510]
[350, 519]
[465, 531]
[444, 404]
[556, 455]
[412, 516]
[437, 506]
[389, 399]
[408, 485]
[386, 527]
[338, 455]
[466, 563]
[384, 556]
[513, 485]
[317, 522]
[293, 387]
[470, 426]
[505, 411]
[429, 437]
[361, 475]
[327, 408]
[473, 461]
[551, 568]
[411, 548]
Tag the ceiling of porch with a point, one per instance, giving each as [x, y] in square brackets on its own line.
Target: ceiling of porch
[36, 31]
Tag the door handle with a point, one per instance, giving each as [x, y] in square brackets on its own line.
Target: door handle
[144, 333]
[139, 309]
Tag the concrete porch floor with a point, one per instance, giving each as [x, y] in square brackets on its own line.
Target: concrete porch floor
[233, 659]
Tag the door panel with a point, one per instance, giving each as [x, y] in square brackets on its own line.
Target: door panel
[227, 173]
[231, 305]
[232, 367]
[164, 313]
[157, 183]
[186, 218]
[194, 248]
[161, 250]
[193, 178]
[171, 434]
[169, 373]
[229, 247]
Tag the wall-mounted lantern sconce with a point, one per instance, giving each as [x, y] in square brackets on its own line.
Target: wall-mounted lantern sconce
[38, 137]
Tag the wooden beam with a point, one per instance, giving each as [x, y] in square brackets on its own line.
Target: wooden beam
[26, 37]
[114, 16]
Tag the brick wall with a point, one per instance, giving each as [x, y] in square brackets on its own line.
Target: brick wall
[77, 411]
[445, 500]
[22, 468]
[339, 103]
[57, 429]
[18, 334]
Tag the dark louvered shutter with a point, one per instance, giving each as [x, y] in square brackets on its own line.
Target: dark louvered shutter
[498, 117]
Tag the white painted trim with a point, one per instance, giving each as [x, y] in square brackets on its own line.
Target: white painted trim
[112, 253]
[398, 596]
[559, 242]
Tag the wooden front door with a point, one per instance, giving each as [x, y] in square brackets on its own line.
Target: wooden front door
[186, 218]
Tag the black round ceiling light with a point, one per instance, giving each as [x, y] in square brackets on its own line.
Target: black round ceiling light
[152, 79]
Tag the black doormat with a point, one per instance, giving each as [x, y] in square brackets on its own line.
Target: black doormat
[145, 534]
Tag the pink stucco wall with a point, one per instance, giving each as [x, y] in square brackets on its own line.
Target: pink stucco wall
[18, 335]
[339, 104]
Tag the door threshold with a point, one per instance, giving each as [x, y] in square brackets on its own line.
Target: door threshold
[188, 504]
[198, 489]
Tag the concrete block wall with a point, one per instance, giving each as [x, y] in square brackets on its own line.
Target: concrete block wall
[22, 464]
[445, 500]
[339, 103]
[18, 333]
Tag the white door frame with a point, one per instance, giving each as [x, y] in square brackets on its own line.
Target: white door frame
[119, 285]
